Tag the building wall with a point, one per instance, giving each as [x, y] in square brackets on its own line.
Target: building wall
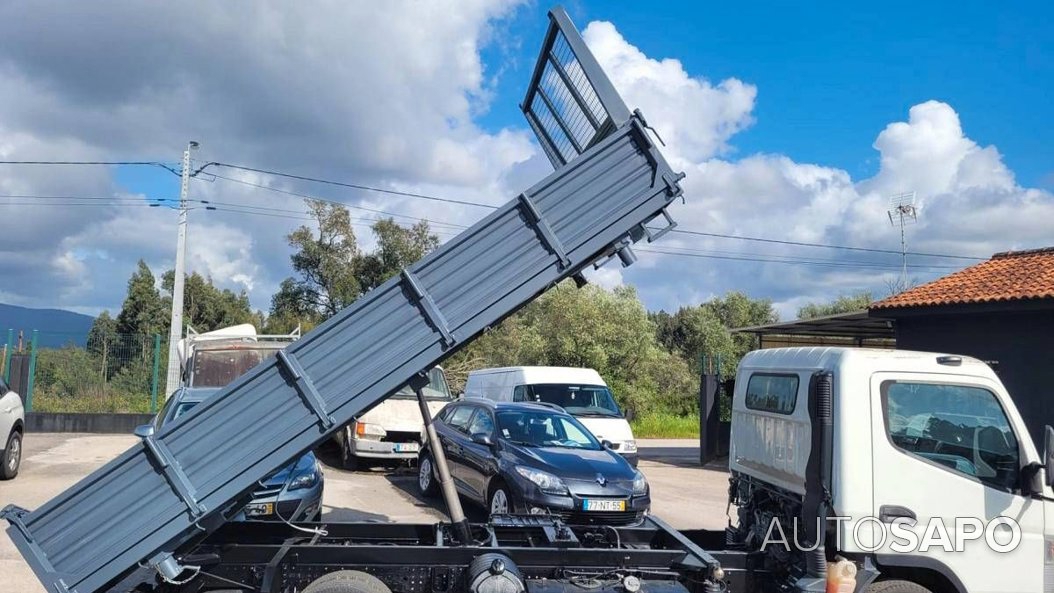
[1021, 344]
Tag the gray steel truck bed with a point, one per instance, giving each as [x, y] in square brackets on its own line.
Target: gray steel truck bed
[178, 485]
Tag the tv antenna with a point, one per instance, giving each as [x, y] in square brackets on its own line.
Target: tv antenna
[902, 212]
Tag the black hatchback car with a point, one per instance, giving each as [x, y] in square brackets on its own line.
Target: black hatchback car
[516, 458]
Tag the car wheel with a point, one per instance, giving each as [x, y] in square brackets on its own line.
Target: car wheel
[12, 458]
[347, 581]
[501, 500]
[426, 477]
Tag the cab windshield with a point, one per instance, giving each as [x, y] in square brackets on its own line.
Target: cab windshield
[580, 400]
[545, 429]
[221, 366]
[436, 388]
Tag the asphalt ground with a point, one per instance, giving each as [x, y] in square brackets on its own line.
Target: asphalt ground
[684, 494]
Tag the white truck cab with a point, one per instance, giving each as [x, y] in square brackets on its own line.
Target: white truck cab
[582, 392]
[918, 464]
[392, 430]
[12, 427]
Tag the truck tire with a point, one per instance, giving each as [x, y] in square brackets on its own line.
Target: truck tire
[12, 457]
[347, 581]
[427, 483]
[896, 586]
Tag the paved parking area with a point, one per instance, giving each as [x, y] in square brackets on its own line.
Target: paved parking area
[683, 493]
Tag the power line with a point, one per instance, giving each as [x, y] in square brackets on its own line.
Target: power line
[680, 231]
[823, 245]
[805, 262]
[170, 167]
[469, 203]
[346, 184]
[334, 202]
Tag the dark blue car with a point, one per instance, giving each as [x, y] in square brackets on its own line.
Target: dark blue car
[516, 458]
[292, 494]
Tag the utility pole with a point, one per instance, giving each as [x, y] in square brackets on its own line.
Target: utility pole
[176, 329]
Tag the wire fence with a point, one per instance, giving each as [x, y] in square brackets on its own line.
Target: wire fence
[104, 373]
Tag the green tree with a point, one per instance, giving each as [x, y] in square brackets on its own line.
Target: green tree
[843, 304]
[609, 331]
[207, 307]
[331, 272]
[324, 265]
[397, 248]
[143, 311]
[704, 329]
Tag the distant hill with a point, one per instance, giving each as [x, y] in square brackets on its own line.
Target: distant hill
[57, 327]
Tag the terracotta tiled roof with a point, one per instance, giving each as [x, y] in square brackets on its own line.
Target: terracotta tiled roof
[1008, 276]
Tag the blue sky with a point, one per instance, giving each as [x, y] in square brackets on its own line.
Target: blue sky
[830, 75]
[792, 120]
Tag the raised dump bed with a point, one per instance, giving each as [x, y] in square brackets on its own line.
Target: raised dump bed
[177, 486]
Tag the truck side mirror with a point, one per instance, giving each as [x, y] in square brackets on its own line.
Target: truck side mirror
[1048, 455]
[144, 431]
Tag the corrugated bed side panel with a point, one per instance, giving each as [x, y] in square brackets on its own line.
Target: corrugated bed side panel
[126, 512]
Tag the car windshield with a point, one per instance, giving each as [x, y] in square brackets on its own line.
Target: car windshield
[220, 367]
[544, 429]
[580, 400]
[183, 408]
[436, 389]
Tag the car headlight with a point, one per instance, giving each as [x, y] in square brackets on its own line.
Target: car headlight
[629, 446]
[546, 482]
[640, 484]
[305, 480]
[365, 430]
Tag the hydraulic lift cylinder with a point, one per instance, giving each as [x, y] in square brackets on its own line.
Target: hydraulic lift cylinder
[450, 497]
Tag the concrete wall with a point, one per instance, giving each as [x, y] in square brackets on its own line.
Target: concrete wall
[1020, 345]
[94, 423]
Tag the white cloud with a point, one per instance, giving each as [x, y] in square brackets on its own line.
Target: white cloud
[389, 94]
[669, 97]
[381, 93]
[970, 203]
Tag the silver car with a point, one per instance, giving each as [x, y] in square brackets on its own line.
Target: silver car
[294, 494]
[12, 426]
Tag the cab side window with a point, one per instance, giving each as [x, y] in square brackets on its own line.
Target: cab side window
[962, 428]
[482, 423]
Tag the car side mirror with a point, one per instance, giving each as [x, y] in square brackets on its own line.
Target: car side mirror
[483, 439]
[629, 414]
[146, 430]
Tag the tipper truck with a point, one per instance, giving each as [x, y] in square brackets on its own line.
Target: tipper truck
[818, 436]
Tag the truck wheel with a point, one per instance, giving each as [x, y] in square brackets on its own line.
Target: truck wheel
[426, 477]
[347, 581]
[896, 586]
[12, 457]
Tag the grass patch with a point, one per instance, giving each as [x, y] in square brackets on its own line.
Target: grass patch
[666, 426]
[100, 404]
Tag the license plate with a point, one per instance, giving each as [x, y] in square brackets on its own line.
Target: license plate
[406, 447]
[259, 509]
[590, 504]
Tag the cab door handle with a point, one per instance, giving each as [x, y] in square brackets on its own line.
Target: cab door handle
[890, 513]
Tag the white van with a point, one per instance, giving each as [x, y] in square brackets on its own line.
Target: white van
[582, 392]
